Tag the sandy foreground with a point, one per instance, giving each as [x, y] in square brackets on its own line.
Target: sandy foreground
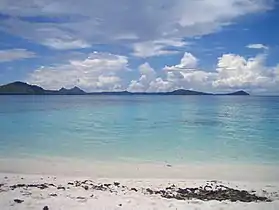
[25, 185]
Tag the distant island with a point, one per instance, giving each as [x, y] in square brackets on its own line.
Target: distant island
[21, 88]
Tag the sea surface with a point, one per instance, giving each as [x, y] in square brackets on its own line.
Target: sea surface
[171, 129]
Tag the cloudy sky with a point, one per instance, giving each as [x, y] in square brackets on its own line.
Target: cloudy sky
[144, 45]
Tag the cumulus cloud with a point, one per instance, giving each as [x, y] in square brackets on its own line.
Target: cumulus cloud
[100, 71]
[257, 46]
[15, 54]
[187, 62]
[187, 75]
[147, 70]
[183, 75]
[103, 72]
[66, 24]
[148, 75]
[233, 72]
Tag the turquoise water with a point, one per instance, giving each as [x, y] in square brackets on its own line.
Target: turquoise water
[174, 129]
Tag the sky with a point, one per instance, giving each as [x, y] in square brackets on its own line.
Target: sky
[141, 46]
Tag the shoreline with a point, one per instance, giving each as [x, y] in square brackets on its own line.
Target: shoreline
[139, 170]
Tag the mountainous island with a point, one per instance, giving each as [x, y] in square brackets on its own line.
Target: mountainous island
[21, 88]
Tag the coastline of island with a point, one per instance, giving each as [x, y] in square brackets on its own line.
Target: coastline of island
[21, 88]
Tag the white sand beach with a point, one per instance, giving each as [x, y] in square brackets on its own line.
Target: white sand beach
[66, 184]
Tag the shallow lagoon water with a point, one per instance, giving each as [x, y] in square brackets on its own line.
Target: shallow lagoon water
[173, 129]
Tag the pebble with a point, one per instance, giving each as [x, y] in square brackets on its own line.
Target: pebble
[18, 200]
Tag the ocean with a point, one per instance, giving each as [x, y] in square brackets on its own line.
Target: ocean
[169, 129]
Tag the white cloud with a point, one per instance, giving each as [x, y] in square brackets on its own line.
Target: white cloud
[127, 37]
[156, 48]
[233, 72]
[257, 46]
[50, 35]
[15, 54]
[65, 44]
[93, 21]
[147, 70]
[160, 85]
[188, 62]
[98, 72]
[103, 72]
[148, 74]
[173, 77]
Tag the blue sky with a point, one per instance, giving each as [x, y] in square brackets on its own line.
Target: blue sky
[158, 45]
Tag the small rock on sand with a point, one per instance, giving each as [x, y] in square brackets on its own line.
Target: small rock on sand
[18, 200]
